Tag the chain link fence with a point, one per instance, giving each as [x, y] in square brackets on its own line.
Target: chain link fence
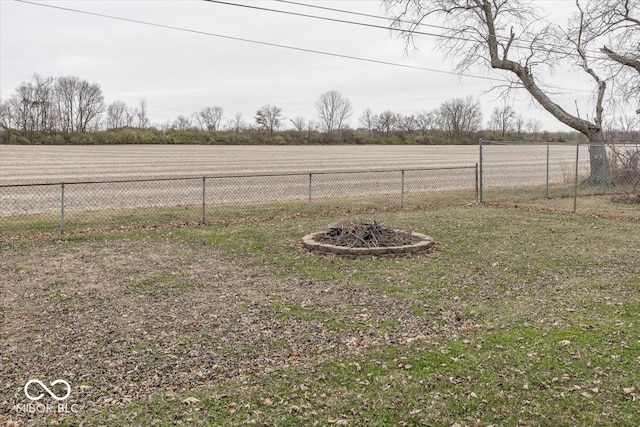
[556, 175]
[63, 207]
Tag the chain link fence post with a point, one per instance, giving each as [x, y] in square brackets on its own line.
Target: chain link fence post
[310, 206]
[204, 200]
[547, 180]
[476, 185]
[402, 190]
[480, 195]
[575, 183]
[62, 208]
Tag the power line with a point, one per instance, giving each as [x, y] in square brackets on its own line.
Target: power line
[367, 15]
[418, 24]
[341, 21]
[373, 26]
[283, 46]
[258, 42]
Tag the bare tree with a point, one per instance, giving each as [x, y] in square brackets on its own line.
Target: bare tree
[182, 123]
[21, 106]
[625, 128]
[299, 123]
[142, 117]
[408, 123]
[237, 124]
[508, 35]
[387, 122]
[427, 122]
[45, 116]
[209, 118]
[6, 116]
[534, 127]
[617, 23]
[118, 115]
[519, 123]
[90, 106]
[333, 110]
[367, 120]
[31, 107]
[269, 118]
[502, 119]
[460, 117]
[79, 103]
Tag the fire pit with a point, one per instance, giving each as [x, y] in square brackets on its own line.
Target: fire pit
[356, 239]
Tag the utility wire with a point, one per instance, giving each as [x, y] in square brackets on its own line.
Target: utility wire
[323, 18]
[419, 24]
[258, 42]
[367, 15]
[282, 46]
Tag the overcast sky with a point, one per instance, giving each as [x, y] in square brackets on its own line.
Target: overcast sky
[180, 72]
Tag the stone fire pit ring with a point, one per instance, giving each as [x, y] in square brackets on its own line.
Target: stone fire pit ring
[424, 244]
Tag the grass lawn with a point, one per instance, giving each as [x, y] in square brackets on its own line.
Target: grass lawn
[523, 318]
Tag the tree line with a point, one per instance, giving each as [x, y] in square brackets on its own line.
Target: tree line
[73, 110]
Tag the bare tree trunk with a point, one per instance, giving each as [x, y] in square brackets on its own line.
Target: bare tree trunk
[598, 161]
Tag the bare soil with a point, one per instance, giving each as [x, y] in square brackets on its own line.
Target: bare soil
[40, 164]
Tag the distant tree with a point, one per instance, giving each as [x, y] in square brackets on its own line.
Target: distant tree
[45, 115]
[237, 124]
[31, 108]
[502, 119]
[142, 117]
[367, 120]
[460, 116]
[269, 118]
[182, 123]
[427, 121]
[333, 111]
[519, 123]
[409, 124]
[299, 123]
[21, 107]
[118, 115]
[312, 126]
[534, 127]
[209, 118]
[6, 116]
[79, 104]
[387, 122]
[625, 128]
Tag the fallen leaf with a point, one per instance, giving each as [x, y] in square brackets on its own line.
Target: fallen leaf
[191, 400]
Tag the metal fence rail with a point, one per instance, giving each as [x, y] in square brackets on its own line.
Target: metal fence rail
[99, 204]
[516, 171]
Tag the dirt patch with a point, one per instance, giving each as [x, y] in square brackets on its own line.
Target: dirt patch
[124, 320]
[631, 199]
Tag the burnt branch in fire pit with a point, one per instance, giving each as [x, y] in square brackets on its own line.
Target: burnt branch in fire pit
[365, 234]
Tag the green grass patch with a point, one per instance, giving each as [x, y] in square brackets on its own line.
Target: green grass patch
[522, 376]
[524, 318]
